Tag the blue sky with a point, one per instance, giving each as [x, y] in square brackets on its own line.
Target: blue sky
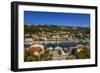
[53, 18]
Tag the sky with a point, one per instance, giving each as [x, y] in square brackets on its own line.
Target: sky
[56, 18]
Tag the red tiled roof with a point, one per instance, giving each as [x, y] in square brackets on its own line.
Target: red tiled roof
[35, 49]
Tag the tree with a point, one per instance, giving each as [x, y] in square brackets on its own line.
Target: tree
[32, 58]
[84, 54]
[59, 52]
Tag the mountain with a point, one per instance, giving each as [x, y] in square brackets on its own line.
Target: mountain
[49, 28]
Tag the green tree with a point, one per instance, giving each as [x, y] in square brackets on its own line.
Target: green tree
[59, 52]
[84, 54]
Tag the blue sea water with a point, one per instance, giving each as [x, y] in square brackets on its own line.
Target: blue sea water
[65, 44]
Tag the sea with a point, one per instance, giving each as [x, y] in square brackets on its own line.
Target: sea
[63, 44]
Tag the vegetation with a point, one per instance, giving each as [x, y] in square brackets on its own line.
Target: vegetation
[43, 57]
[47, 28]
[84, 54]
[59, 52]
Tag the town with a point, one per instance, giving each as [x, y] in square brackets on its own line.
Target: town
[52, 42]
